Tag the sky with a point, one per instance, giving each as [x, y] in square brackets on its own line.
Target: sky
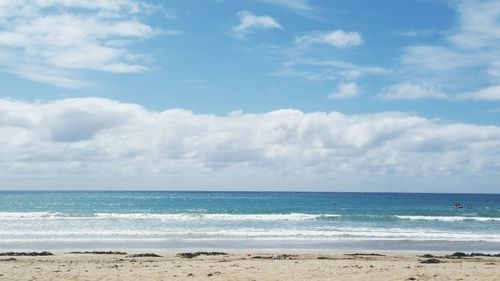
[250, 95]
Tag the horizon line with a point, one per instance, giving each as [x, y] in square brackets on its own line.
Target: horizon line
[232, 191]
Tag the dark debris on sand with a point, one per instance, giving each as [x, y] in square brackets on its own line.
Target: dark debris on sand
[195, 254]
[28, 254]
[458, 255]
[431, 261]
[99, 253]
[428, 256]
[261, 257]
[484, 255]
[214, 273]
[362, 254]
[146, 255]
[276, 257]
[324, 258]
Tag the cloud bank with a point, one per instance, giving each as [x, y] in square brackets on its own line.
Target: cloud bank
[101, 143]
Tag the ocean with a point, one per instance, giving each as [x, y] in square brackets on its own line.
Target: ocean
[84, 220]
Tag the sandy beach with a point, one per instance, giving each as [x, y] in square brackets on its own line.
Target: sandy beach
[248, 266]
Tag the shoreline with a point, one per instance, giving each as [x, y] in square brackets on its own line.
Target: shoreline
[338, 246]
[249, 265]
[230, 251]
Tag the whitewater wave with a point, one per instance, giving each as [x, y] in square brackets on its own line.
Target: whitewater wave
[29, 215]
[173, 217]
[448, 218]
[218, 217]
[358, 233]
[235, 217]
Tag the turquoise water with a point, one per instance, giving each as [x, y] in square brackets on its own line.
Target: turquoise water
[249, 220]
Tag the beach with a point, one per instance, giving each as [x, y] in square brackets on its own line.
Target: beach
[248, 266]
[257, 236]
[263, 140]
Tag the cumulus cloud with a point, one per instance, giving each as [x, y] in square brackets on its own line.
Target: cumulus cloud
[250, 22]
[412, 91]
[111, 144]
[337, 38]
[345, 90]
[63, 37]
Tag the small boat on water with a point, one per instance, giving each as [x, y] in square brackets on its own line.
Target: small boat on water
[457, 206]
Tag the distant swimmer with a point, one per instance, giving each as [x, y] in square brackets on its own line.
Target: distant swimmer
[457, 206]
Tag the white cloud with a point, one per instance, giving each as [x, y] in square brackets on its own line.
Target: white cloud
[494, 70]
[439, 59]
[491, 93]
[117, 145]
[48, 76]
[416, 32]
[66, 36]
[337, 38]
[323, 70]
[249, 22]
[469, 53]
[412, 91]
[473, 43]
[298, 5]
[345, 90]
[479, 25]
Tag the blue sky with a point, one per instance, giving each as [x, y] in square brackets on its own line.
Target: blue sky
[195, 62]
[388, 61]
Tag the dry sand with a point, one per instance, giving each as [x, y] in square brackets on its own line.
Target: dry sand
[244, 266]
